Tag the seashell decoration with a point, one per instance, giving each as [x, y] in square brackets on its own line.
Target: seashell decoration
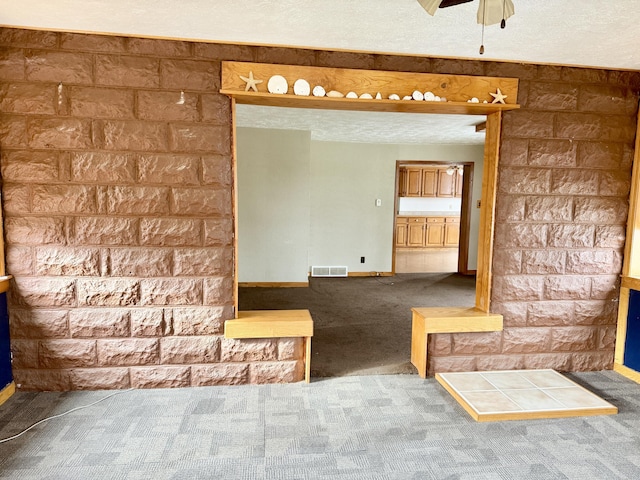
[366, 96]
[443, 99]
[393, 96]
[417, 95]
[437, 99]
[378, 96]
[407, 97]
[429, 97]
[335, 94]
[473, 100]
[319, 91]
[278, 85]
[352, 95]
[302, 87]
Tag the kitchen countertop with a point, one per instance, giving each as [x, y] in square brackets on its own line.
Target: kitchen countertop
[446, 213]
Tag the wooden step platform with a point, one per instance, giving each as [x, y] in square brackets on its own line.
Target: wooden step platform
[274, 324]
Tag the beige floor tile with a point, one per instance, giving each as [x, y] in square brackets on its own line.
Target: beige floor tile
[510, 380]
[533, 399]
[547, 378]
[490, 402]
[576, 397]
[468, 382]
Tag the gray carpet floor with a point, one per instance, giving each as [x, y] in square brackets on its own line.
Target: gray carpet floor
[362, 325]
[355, 427]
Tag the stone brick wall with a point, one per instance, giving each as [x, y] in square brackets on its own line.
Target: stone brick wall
[118, 213]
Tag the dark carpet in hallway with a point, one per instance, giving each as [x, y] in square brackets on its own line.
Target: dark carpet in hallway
[362, 325]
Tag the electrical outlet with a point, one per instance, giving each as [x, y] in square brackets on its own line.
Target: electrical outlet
[478, 204]
[361, 259]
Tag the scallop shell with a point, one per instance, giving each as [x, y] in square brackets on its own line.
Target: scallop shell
[407, 97]
[352, 95]
[302, 87]
[393, 96]
[417, 95]
[319, 91]
[429, 96]
[366, 96]
[278, 85]
[335, 94]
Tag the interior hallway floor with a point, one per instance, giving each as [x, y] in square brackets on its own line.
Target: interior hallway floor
[362, 325]
[379, 427]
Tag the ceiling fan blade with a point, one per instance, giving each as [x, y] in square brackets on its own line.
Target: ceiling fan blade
[452, 3]
[491, 12]
[430, 5]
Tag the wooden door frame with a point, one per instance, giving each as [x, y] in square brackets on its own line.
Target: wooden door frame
[465, 209]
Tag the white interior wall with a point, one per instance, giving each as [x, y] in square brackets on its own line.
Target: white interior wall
[273, 205]
[304, 203]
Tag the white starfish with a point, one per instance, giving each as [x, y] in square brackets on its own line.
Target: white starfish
[252, 83]
[498, 97]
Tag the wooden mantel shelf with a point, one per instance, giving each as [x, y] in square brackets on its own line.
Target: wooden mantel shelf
[446, 320]
[5, 283]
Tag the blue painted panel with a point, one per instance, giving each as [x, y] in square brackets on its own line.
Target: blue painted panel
[5, 353]
[632, 343]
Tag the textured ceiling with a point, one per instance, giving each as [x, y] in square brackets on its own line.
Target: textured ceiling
[365, 127]
[571, 32]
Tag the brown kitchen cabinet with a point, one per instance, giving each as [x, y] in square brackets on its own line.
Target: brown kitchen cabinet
[425, 232]
[401, 232]
[428, 182]
[416, 231]
[452, 232]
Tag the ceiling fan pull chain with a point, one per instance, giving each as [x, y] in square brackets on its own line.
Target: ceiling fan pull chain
[503, 23]
[484, 11]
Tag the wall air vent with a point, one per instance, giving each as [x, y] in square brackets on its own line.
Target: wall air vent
[329, 271]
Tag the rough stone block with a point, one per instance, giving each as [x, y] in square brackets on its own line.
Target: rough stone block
[193, 137]
[200, 321]
[138, 200]
[43, 292]
[28, 98]
[552, 153]
[615, 183]
[571, 236]
[610, 236]
[573, 339]
[439, 344]
[99, 378]
[42, 380]
[510, 208]
[190, 74]
[423, 64]
[237, 53]
[556, 361]
[218, 231]
[19, 260]
[507, 262]
[482, 343]
[11, 64]
[171, 291]
[120, 70]
[567, 287]
[59, 199]
[56, 67]
[550, 314]
[160, 377]
[218, 291]
[149, 322]
[31, 167]
[170, 232]
[590, 126]
[285, 56]
[526, 340]
[168, 169]
[548, 209]
[552, 96]
[528, 124]
[158, 48]
[216, 109]
[99, 323]
[108, 292]
[91, 43]
[222, 374]
[514, 313]
[594, 262]
[101, 102]
[605, 287]
[276, 372]
[601, 210]
[543, 261]
[35, 323]
[59, 133]
[596, 312]
[520, 235]
[13, 131]
[203, 261]
[25, 353]
[607, 99]
[504, 69]
[134, 135]
[105, 231]
[601, 155]
[514, 151]
[60, 261]
[16, 199]
[102, 167]
[201, 201]
[140, 262]
[248, 350]
[153, 105]
[520, 180]
[216, 169]
[575, 182]
[591, 361]
[486, 363]
[345, 60]
[188, 350]
[290, 348]
[606, 338]
[128, 351]
[66, 353]
[583, 75]
[451, 364]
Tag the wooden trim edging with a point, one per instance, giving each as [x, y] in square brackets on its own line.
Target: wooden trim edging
[7, 392]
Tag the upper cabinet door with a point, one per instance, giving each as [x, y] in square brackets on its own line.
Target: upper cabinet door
[459, 179]
[446, 184]
[414, 182]
[429, 182]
